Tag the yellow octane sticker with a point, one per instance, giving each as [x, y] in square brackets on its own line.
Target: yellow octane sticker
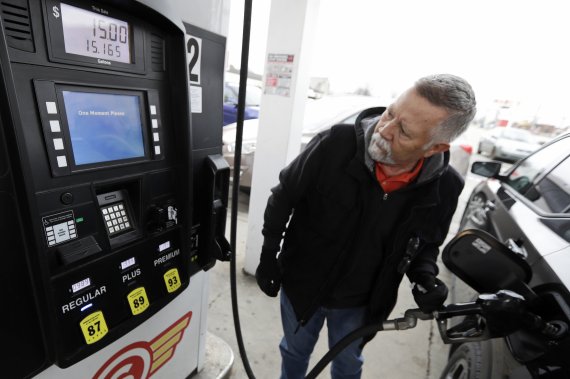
[94, 327]
[138, 300]
[172, 280]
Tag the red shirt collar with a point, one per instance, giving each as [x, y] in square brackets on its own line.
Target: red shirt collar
[393, 183]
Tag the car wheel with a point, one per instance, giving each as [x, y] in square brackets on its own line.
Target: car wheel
[467, 362]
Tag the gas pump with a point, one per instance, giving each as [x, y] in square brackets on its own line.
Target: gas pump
[112, 193]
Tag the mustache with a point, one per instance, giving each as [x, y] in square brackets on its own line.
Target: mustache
[381, 143]
[380, 149]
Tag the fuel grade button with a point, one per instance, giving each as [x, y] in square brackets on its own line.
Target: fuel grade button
[94, 327]
[172, 280]
[138, 300]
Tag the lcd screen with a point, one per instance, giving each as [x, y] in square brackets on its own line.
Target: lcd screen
[94, 35]
[104, 127]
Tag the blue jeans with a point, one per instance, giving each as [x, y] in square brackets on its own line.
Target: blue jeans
[296, 347]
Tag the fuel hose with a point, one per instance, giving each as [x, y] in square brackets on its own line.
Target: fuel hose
[235, 184]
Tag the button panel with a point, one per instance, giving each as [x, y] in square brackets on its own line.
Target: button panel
[54, 135]
[116, 218]
[154, 110]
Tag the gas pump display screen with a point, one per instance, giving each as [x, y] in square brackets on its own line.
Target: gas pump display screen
[104, 127]
[95, 35]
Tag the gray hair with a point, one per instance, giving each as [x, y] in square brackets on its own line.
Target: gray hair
[454, 94]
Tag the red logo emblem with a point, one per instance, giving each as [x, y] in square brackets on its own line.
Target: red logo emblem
[140, 360]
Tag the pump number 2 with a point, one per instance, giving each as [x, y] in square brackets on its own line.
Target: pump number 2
[194, 57]
[94, 327]
[172, 280]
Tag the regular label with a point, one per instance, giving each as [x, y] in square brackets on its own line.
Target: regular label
[138, 300]
[172, 280]
[94, 327]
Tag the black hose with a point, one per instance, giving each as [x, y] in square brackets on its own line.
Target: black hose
[235, 186]
[341, 345]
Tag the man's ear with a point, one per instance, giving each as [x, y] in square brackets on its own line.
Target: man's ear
[437, 148]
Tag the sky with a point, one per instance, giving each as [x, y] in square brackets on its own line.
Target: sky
[513, 50]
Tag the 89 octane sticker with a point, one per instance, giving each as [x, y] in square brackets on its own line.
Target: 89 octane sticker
[138, 300]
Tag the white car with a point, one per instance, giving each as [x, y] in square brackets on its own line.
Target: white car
[508, 143]
[320, 115]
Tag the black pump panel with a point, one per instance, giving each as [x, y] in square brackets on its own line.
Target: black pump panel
[97, 191]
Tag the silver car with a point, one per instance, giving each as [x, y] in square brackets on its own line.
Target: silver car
[528, 209]
[508, 143]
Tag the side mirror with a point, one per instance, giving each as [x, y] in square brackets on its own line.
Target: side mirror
[486, 169]
[487, 265]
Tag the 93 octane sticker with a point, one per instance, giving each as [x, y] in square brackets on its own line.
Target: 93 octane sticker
[172, 280]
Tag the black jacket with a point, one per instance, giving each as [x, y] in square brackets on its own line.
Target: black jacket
[329, 193]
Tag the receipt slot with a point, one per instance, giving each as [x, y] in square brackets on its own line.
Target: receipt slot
[101, 226]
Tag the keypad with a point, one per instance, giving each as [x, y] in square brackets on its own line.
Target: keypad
[116, 218]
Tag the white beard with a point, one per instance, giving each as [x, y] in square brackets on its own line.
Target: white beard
[380, 150]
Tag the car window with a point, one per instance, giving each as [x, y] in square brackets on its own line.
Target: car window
[550, 192]
[554, 189]
[253, 96]
[230, 94]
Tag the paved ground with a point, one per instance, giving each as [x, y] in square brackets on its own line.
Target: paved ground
[413, 354]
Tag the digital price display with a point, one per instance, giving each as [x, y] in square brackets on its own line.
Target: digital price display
[80, 285]
[95, 35]
[128, 263]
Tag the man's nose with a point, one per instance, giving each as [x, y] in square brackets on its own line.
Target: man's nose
[387, 131]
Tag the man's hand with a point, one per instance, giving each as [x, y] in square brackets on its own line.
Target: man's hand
[268, 274]
[429, 292]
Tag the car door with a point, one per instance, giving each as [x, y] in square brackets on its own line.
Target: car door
[532, 204]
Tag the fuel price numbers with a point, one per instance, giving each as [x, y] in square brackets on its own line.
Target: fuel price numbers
[95, 35]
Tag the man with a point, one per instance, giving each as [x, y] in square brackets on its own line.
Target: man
[367, 203]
